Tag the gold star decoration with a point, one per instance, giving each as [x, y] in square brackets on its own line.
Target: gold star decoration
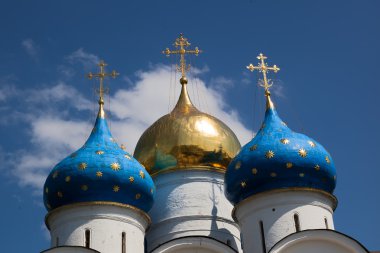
[317, 167]
[254, 171]
[254, 147]
[60, 194]
[131, 179]
[269, 154]
[116, 188]
[67, 179]
[237, 165]
[243, 184]
[302, 174]
[46, 190]
[82, 166]
[142, 174]
[312, 144]
[99, 174]
[84, 187]
[99, 152]
[122, 146]
[327, 159]
[138, 196]
[273, 174]
[285, 141]
[128, 157]
[302, 152]
[289, 165]
[55, 174]
[115, 166]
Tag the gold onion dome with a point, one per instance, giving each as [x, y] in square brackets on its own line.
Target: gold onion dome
[186, 138]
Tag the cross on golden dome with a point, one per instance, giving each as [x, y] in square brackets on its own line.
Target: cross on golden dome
[101, 75]
[181, 43]
[263, 68]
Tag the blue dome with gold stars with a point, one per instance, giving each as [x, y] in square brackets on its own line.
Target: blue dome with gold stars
[278, 158]
[100, 171]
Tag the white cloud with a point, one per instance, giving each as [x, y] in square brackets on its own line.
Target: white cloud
[30, 47]
[221, 83]
[52, 140]
[66, 71]
[278, 88]
[52, 137]
[60, 92]
[88, 60]
[6, 91]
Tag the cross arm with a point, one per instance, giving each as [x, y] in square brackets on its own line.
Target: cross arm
[168, 52]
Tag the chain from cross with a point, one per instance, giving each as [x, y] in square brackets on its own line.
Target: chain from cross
[181, 43]
[263, 68]
[101, 75]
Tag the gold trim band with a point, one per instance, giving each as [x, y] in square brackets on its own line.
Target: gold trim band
[183, 168]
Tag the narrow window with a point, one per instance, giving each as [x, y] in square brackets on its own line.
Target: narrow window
[262, 237]
[87, 238]
[123, 248]
[326, 223]
[297, 222]
[57, 241]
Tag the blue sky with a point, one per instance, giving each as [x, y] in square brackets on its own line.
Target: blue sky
[327, 88]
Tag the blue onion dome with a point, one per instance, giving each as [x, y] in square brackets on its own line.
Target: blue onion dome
[278, 158]
[100, 171]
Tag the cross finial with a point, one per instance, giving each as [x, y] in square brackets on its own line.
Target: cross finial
[263, 68]
[101, 75]
[181, 44]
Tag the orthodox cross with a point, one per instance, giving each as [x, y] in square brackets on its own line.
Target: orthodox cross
[101, 75]
[181, 44]
[263, 68]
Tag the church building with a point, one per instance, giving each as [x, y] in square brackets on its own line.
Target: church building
[191, 188]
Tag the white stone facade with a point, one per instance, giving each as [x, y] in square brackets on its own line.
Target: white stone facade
[106, 223]
[268, 217]
[190, 205]
[317, 241]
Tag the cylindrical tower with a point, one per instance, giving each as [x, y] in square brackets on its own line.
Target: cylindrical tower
[280, 183]
[98, 196]
[187, 153]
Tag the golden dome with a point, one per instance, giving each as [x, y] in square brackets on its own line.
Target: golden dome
[186, 138]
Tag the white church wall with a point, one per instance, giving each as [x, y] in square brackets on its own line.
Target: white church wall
[191, 203]
[106, 224]
[271, 216]
[317, 241]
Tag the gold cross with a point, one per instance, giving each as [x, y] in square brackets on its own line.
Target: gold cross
[181, 44]
[101, 75]
[263, 68]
